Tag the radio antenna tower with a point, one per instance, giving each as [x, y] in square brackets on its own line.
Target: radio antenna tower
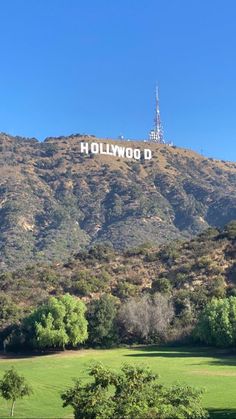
[156, 135]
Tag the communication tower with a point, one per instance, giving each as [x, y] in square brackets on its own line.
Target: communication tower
[156, 135]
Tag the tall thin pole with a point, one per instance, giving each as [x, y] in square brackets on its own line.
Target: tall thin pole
[156, 135]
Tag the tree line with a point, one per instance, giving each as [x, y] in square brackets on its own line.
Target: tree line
[66, 322]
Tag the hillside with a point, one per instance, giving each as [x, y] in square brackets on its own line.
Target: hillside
[189, 272]
[54, 201]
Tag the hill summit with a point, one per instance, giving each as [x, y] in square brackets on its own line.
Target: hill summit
[55, 200]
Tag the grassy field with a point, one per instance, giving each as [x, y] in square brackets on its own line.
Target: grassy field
[50, 374]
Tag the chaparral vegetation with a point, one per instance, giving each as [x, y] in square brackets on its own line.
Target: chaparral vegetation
[179, 294]
[99, 255]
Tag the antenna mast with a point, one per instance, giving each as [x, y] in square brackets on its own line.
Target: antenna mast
[156, 135]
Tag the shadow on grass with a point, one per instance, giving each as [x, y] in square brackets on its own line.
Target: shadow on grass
[222, 413]
[229, 361]
[22, 355]
[223, 356]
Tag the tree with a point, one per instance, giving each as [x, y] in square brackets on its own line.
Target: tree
[57, 323]
[14, 386]
[217, 323]
[147, 317]
[101, 318]
[133, 393]
[9, 312]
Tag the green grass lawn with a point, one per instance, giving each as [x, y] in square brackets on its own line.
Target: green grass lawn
[49, 375]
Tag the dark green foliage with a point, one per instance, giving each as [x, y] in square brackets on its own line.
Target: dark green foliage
[6, 280]
[133, 393]
[181, 277]
[139, 250]
[9, 311]
[232, 272]
[151, 256]
[124, 290]
[85, 283]
[210, 233]
[50, 149]
[169, 254]
[230, 230]
[203, 263]
[101, 316]
[82, 287]
[162, 285]
[217, 287]
[100, 251]
[14, 386]
[136, 167]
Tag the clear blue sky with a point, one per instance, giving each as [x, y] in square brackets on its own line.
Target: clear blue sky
[70, 66]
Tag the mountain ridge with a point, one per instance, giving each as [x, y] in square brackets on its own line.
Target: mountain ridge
[55, 201]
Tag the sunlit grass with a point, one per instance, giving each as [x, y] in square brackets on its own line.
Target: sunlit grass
[49, 375]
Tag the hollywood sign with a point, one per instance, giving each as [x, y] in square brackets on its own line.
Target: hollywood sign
[115, 150]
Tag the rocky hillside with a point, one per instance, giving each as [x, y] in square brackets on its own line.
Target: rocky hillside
[54, 201]
[190, 271]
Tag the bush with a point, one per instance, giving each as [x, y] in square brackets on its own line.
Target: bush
[133, 393]
[162, 285]
[230, 230]
[124, 290]
[101, 252]
[217, 287]
[169, 254]
[84, 283]
[203, 263]
[142, 249]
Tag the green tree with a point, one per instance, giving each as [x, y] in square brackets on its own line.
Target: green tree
[101, 316]
[57, 323]
[217, 323]
[133, 393]
[14, 386]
